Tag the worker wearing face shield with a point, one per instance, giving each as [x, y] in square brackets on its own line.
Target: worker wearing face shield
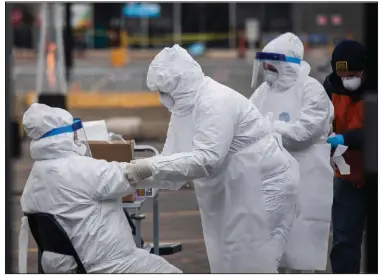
[302, 114]
[84, 195]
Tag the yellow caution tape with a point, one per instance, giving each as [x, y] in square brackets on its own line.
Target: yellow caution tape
[168, 38]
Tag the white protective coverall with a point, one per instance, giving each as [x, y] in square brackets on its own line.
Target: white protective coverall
[84, 194]
[310, 114]
[218, 139]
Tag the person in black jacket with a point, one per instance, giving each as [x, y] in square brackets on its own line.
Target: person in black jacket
[345, 86]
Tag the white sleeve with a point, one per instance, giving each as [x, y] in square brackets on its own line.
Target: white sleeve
[214, 130]
[256, 96]
[170, 147]
[314, 121]
[160, 184]
[110, 181]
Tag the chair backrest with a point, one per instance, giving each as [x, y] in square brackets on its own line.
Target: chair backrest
[50, 236]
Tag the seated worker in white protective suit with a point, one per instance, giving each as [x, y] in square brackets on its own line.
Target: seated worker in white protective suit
[218, 139]
[303, 114]
[84, 195]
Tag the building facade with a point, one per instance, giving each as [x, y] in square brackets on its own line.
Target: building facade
[218, 25]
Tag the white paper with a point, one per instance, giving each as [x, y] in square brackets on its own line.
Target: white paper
[339, 160]
[95, 130]
[340, 150]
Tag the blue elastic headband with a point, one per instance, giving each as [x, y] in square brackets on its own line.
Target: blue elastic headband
[276, 57]
[77, 124]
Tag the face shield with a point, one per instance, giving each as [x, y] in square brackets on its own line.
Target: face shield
[79, 137]
[266, 67]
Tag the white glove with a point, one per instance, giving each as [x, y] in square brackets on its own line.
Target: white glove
[138, 170]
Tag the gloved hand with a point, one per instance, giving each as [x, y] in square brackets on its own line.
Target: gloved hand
[138, 170]
[336, 140]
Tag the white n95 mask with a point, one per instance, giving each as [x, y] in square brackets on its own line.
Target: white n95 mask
[351, 83]
[82, 148]
[271, 77]
[166, 100]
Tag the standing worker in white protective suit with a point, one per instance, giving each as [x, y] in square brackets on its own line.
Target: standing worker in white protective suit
[303, 114]
[218, 139]
[84, 195]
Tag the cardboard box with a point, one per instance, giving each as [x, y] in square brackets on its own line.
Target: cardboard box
[114, 151]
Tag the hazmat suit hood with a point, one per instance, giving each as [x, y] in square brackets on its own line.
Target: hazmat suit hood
[288, 73]
[177, 77]
[40, 119]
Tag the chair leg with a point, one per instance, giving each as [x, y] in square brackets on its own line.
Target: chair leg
[132, 225]
[39, 261]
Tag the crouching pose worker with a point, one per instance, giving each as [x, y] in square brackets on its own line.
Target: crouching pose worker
[218, 139]
[303, 114]
[84, 195]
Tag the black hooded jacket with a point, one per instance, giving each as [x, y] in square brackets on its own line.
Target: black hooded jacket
[353, 138]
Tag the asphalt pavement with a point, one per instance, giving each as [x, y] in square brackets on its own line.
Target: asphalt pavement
[96, 74]
[179, 221]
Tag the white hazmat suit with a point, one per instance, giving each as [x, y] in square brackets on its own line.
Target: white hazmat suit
[218, 139]
[303, 114]
[84, 194]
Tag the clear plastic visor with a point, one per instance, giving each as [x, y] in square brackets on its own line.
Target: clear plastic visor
[267, 63]
[77, 129]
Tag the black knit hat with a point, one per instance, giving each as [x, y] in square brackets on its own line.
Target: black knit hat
[348, 55]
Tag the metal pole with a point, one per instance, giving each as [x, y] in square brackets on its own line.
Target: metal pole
[144, 23]
[58, 28]
[51, 21]
[92, 30]
[51, 94]
[40, 76]
[232, 24]
[177, 23]
[68, 42]
[138, 236]
[156, 224]
[39, 262]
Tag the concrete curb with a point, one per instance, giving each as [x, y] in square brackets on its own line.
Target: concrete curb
[105, 100]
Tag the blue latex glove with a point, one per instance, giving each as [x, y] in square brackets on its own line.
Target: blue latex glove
[336, 140]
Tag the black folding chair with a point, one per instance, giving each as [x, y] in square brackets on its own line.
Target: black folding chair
[50, 236]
